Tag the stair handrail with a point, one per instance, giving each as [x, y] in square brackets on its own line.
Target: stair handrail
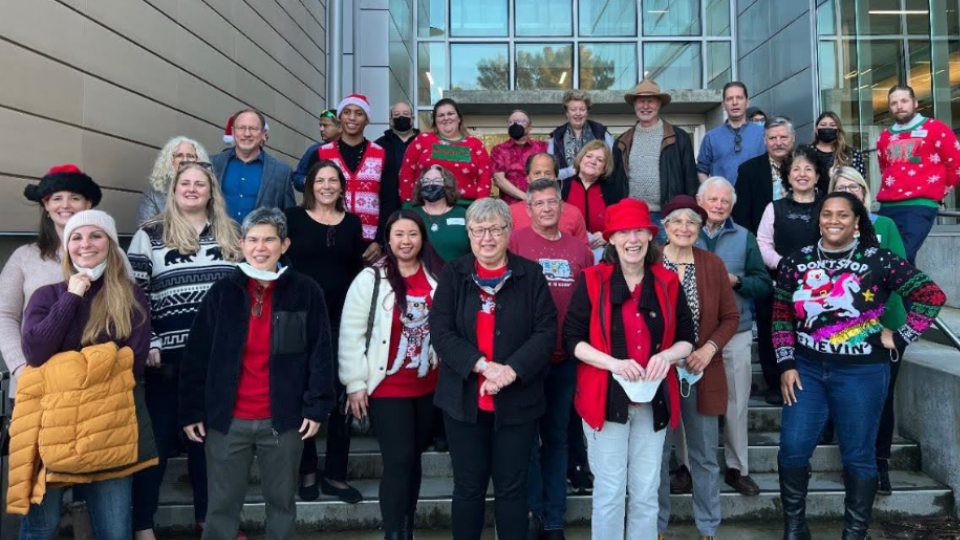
[947, 332]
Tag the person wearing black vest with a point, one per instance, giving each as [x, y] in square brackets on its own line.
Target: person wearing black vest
[567, 140]
[787, 225]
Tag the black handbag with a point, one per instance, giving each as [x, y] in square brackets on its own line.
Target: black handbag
[361, 427]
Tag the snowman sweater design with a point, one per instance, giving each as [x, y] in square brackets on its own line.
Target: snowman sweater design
[830, 306]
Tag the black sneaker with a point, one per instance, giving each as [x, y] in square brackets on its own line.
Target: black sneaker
[883, 477]
[581, 480]
[681, 481]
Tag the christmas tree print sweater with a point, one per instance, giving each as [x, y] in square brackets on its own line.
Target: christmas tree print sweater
[827, 307]
[467, 159]
[918, 162]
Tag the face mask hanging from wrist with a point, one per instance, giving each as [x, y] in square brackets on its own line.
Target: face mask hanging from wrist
[687, 378]
[95, 273]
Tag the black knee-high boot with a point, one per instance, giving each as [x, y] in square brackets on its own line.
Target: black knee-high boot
[793, 497]
[858, 505]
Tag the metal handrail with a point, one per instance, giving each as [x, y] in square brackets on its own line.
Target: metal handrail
[947, 332]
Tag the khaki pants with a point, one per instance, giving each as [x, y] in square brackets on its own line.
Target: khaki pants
[736, 364]
[229, 456]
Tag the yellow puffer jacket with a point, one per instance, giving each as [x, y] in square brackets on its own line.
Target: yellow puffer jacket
[78, 418]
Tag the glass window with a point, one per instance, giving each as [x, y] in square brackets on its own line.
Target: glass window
[431, 18]
[920, 75]
[470, 18]
[719, 70]
[608, 18]
[718, 17]
[431, 72]
[608, 66]
[882, 18]
[544, 18]
[673, 65]
[544, 66]
[479, 66]
[917, 14]
[827, 18]
[671, 17]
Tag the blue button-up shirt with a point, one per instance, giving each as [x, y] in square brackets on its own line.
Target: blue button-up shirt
[241, 185]
[718, 155]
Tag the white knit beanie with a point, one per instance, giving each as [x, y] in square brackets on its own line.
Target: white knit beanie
[97, 218]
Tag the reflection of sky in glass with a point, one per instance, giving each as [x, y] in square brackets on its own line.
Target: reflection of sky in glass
[479, 66]
[544, 66]
[431, 17]
[478, 18]
[671, 17]
[718, 17]
[608, 18]
[673, 65]
[718, 64]
[608, 66]
[432, 76]
[544, 18]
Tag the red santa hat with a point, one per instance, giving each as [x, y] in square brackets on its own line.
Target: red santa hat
[228, 132]
[359, 100]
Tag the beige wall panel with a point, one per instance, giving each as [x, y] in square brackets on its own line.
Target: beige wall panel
[317, 8]
[206, 23]
[207, 64]
[115, 162]
[139, 22]
[268, 70]
[311, 27]
[19, 215]
[41, 86]
[112, 57]
[31, 145]
[292, 33]
[48, 27]
[211, 137]
[172, 8]
[199, 98]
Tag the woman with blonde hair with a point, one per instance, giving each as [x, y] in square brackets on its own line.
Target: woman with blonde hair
[590, 189]
[176, 257]
[96, 303]
[177, 150]
[831, 145]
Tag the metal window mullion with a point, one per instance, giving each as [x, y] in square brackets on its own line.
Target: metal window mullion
[816, 59]
[734, 48]
[575, 76]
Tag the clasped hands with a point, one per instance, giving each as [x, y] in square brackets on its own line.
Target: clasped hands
[657, 368]
[497, 377]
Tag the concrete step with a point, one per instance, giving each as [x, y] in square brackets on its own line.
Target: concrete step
[916, 496]
[366, 463]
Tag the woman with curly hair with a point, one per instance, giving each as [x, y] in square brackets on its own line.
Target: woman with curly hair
[178, 150]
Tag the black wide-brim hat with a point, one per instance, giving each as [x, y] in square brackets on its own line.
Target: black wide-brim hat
[64, 178]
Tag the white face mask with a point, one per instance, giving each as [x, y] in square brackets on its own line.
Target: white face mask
[95, 273]
[262, 275]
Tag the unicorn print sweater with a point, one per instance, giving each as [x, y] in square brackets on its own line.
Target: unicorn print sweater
[827, 306]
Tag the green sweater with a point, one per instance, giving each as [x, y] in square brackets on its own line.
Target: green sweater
[895, 315]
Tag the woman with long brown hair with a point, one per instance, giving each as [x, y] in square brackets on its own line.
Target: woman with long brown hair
[832, 147]
[176, 257]
[96, 303]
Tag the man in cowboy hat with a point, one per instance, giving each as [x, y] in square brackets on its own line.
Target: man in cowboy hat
[654, 160]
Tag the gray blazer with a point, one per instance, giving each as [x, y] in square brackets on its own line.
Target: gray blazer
[276, 184]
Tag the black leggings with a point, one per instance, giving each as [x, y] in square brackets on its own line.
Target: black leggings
[478, 451]
[338, 434]
[404, 427]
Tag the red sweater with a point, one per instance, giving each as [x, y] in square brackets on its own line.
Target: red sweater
[467, 159]
[363, 185]
[918, 163]
[253, 392]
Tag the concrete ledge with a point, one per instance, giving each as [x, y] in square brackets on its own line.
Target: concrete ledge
[928, 408]
[550, 101]
[938, 258]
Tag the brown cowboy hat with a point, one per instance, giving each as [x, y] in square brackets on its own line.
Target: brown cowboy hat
[647, 88]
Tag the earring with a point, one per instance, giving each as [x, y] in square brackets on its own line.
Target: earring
[856, 233]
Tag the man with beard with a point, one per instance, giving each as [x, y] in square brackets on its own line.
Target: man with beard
[919, 165]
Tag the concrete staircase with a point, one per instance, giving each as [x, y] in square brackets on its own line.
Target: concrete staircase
[916, 495]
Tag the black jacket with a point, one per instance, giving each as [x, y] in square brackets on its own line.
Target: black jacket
[576, 329]
[678, 165]
[390, 178]
[525, 337]
[301, 357]
[754, 192]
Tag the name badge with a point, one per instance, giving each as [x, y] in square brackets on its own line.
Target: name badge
[918, 133]
[457, 221]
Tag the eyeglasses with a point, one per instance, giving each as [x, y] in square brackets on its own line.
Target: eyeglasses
[521, 121]
[737, 141]
[185, 157]
[206, 165]
[495, 232]
[247, 129]
[849, 188]
[546, 203]
[257, 309]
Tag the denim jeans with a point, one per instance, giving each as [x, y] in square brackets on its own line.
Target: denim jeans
[852, 395]
[109, 503]
[914, 223]
[625, 458]
[546, 477]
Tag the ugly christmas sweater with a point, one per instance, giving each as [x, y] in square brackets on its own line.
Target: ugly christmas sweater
[918, 162]
[363, 185]
[827, 306]
[466, 158]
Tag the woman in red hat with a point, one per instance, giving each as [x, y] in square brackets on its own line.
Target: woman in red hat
[628, 323]
[706, 284]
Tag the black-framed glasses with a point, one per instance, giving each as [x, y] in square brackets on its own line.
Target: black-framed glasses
[206, 165]
[257, 309]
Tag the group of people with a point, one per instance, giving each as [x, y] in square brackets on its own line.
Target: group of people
[591, 322]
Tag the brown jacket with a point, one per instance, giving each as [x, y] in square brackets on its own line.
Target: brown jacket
[678, 165]
[719, 318]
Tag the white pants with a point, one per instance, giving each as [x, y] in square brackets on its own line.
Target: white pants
[625, 458]
[736, 364]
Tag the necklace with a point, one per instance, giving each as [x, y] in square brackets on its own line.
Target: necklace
[435, 218]
[822, 252]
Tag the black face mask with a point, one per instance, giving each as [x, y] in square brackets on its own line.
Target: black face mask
[516, 131]
[402, 123]
[827, 135]
[432, 193]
